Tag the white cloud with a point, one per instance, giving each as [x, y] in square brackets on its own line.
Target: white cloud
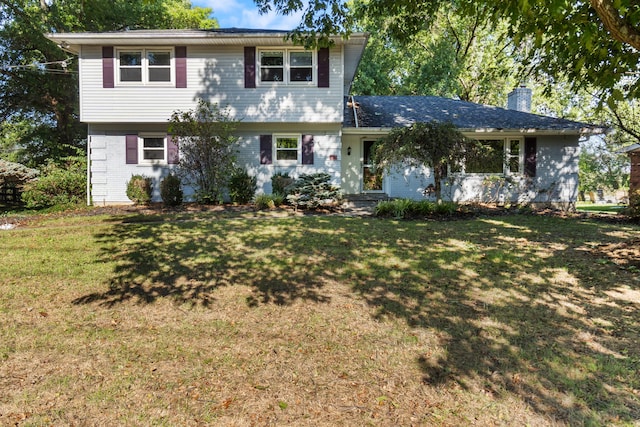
[244, 14]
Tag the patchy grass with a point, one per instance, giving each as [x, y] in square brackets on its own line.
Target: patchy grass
[600, 208]
[243, 319]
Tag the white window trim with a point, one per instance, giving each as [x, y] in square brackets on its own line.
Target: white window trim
[508, 156]
[287, 67]
[505, 160]
[141, 149]
[145, 65]
[298, 159]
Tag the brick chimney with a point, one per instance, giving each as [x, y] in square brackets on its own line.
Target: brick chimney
[519, 99]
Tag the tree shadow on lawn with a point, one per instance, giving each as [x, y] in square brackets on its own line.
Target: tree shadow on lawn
[520, 309]
[188, 261]
[521, 306]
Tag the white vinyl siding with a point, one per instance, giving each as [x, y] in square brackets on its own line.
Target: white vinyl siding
[215, 74]
[556, 179]
[110, 172]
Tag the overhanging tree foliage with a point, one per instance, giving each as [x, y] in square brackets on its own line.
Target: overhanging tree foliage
[458, 56]
[435, 145]
[593, 44]
[206, 141]
[39, 82]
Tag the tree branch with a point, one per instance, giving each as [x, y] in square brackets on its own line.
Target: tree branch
[623, 127]
[618, 26]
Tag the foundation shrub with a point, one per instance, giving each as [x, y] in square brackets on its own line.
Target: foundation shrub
[139, 189]
[242, 186]
[171, 190]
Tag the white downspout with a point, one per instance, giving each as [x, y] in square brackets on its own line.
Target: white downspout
[88, 170]
[355, 113]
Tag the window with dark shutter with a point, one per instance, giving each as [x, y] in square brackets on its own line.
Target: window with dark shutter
[266, 149]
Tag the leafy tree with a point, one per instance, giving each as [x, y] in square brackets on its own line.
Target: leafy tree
[435, 145]
[462, 57]
[207, 142]
[39, 82]
[601, 167]
[592, 44]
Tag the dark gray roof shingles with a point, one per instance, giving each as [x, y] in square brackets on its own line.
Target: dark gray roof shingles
[397, 111]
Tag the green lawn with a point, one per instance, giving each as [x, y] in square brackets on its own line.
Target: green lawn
[239, 319]
[599, 208]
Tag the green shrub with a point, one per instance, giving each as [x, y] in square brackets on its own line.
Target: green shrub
[264, 202]
[313, 191]
[424, 208]
[384, 208]
[407, 208]
[278, 199]
[59, 184]
[171, 190]
[139, 189]
[279, 182]
[242, 186]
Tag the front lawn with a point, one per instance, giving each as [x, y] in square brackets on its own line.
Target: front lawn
[237, 319]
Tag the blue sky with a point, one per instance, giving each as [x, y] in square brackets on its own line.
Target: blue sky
[244, 14]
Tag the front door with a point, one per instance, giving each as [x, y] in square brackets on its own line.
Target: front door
[371, 179]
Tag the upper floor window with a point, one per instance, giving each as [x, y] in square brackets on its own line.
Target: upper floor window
[286, 66]
[144, 66]
[498, 156]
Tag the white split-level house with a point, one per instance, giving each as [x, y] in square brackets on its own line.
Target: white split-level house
[295, 115]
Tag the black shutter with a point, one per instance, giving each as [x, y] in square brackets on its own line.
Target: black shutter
[132, 149]
[530, 157]
[323, 67]
[181, 66]
[107, 67]
[249, 67]
[307, 149]
[266, 150]
[173, 154]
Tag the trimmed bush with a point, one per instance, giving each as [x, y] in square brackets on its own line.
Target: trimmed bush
[59, 184]
[407, 208]
[314, 191]
[264, 202]
[139, 189]
[279, 182]
[242, 186]
[171, 190]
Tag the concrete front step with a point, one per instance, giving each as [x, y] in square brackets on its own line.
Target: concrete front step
[363, 201]
[366, 197]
